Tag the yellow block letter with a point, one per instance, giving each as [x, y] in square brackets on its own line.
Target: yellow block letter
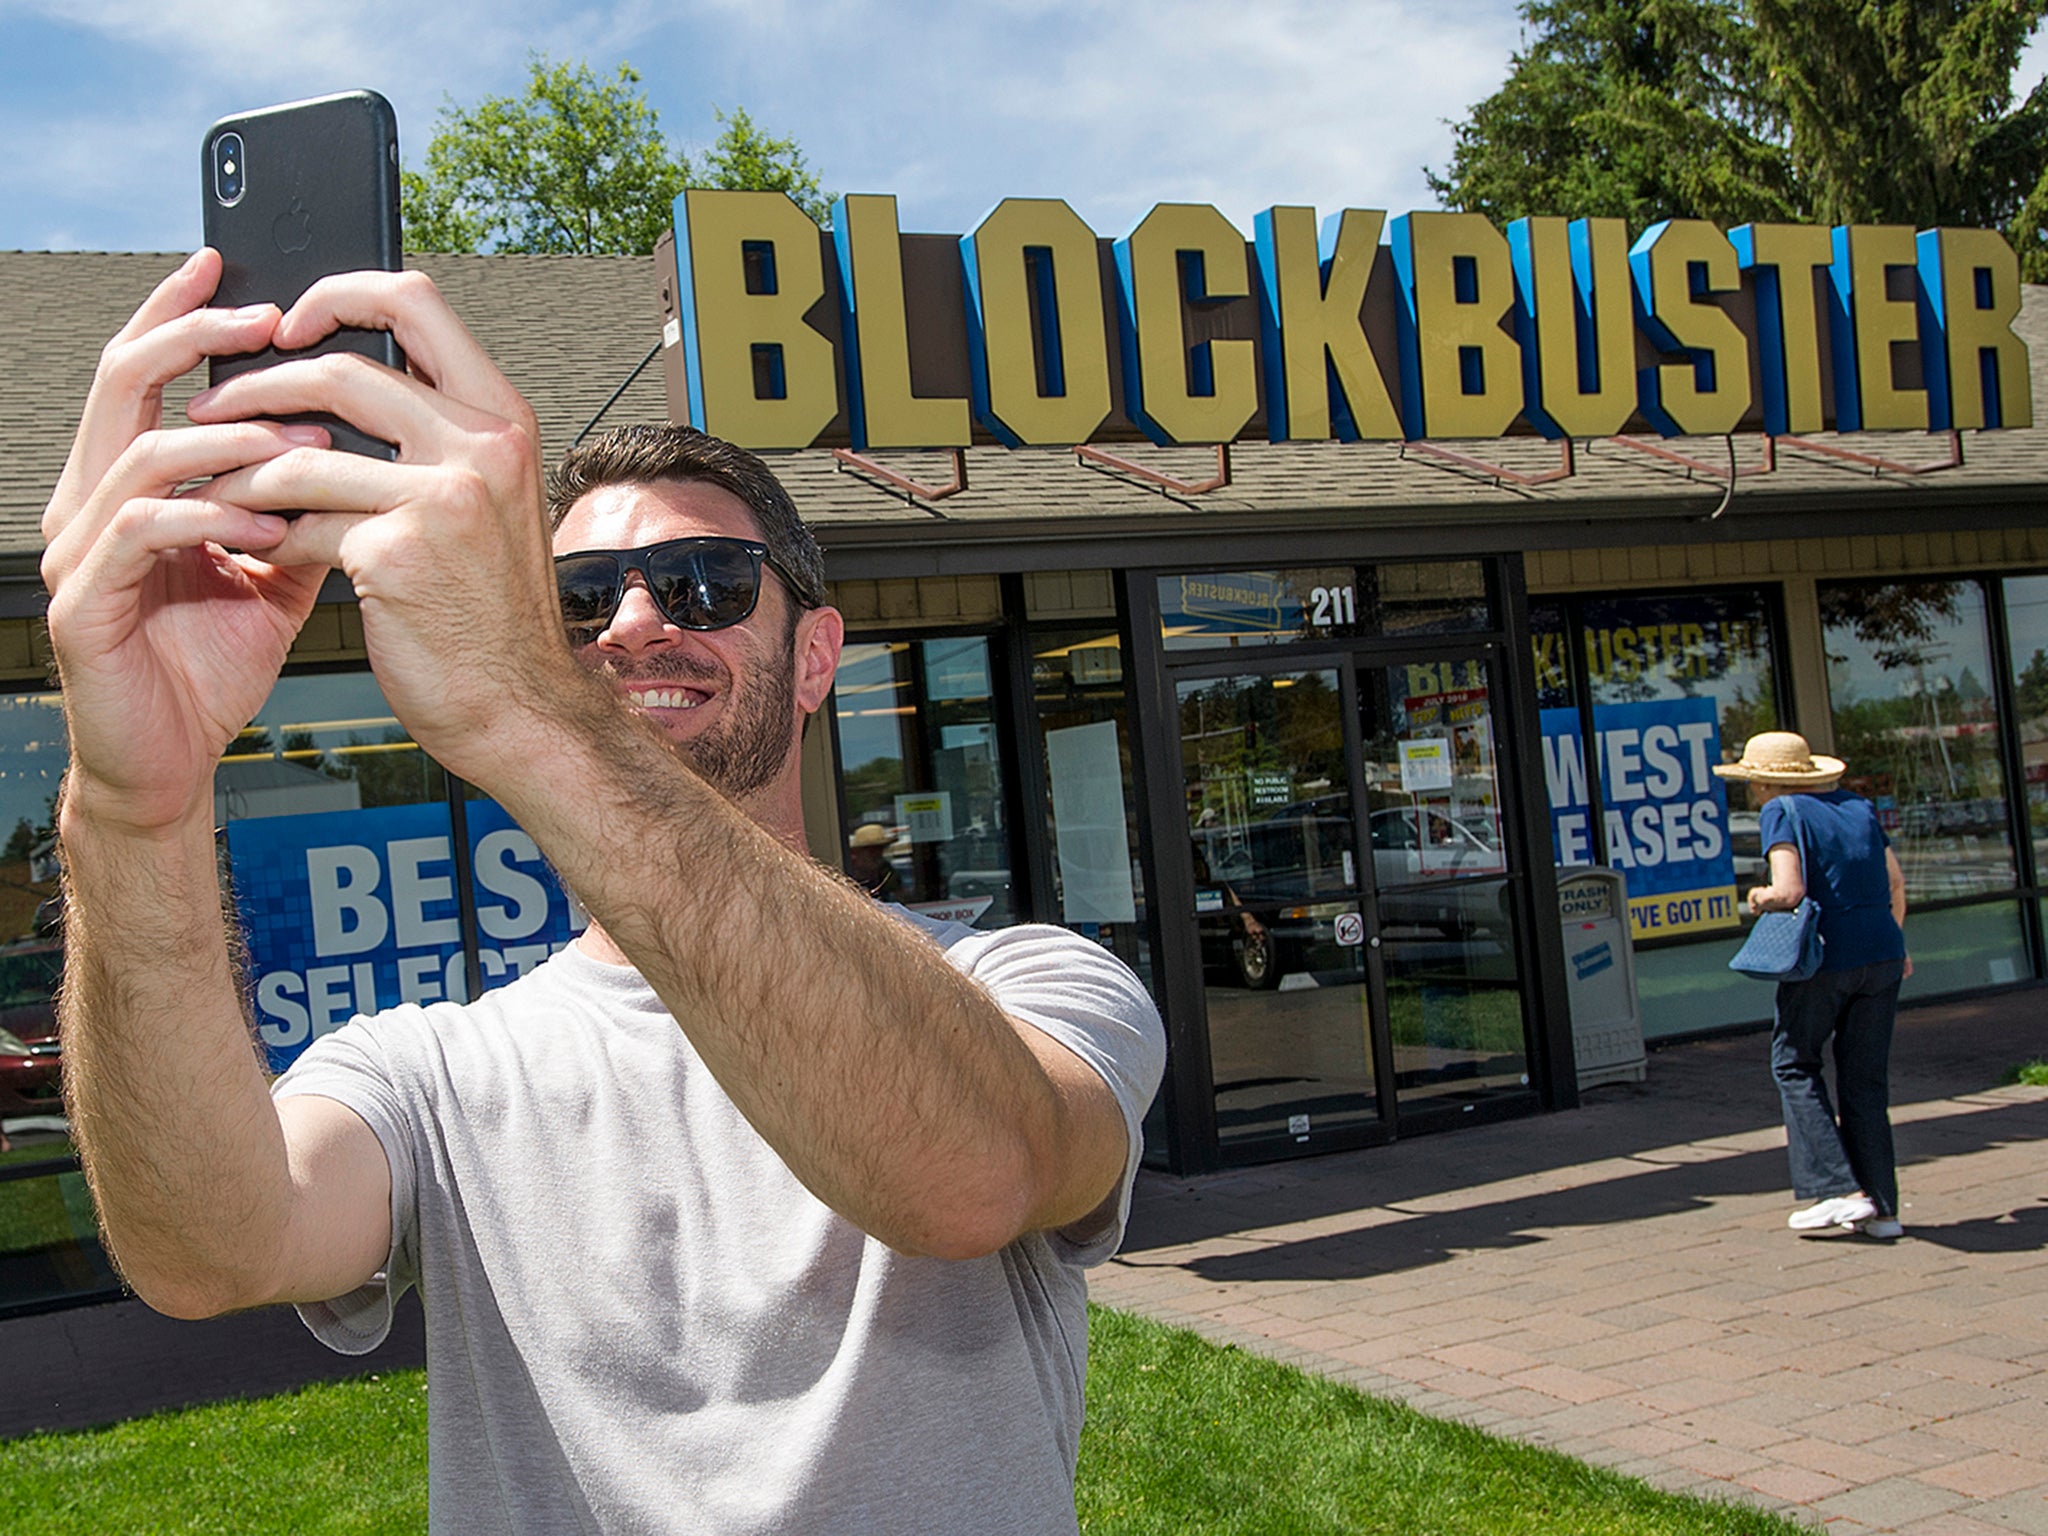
[759, 376]
[1036, 247]
[1977, 374]
[1174, 392]
[1572, 279]
[1315, 347]
[1678, 266]
[883, 412]
[1864, 321]
[1461, 374]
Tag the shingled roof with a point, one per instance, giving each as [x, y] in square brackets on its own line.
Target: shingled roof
[570, 330]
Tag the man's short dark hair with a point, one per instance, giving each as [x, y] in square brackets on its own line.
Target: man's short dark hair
[645, 454]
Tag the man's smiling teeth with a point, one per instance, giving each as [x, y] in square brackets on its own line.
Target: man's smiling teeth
[666, 698]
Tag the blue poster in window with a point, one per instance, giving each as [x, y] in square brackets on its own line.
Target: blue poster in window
[1665, 814]
[351, 911]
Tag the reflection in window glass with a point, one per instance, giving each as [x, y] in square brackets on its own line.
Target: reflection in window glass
[1454, 999]
[323, 742]
[1679, 682]
[1909, 670]
[921, 779]
[1245, 608]
[1276, 883]
[1425, 597]
[2026, 611]
[33, 752]
[49, 1236]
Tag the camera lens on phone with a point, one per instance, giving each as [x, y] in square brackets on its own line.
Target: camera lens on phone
[228, 167]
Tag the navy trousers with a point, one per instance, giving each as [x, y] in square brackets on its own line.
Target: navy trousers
[1839, 1154]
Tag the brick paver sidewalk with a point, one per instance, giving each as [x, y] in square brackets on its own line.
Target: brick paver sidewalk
[1618, 1282]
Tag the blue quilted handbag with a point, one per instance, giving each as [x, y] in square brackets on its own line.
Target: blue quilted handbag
[1783, 946]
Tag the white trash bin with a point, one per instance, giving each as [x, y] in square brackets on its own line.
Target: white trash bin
[1600, 977]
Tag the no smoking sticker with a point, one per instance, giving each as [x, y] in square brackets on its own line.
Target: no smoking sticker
[1350, 930]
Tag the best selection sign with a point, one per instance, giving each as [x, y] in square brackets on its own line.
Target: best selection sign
[347, 912]
[1038, 332]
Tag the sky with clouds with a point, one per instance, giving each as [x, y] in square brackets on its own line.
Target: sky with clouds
[950, 104]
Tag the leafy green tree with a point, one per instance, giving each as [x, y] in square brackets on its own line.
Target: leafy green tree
[747, 160]
[1827, 111]
[578, 165]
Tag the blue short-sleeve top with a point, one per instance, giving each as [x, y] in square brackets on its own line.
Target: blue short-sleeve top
[1845, 872]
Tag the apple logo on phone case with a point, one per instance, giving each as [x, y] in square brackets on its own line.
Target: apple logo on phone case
[293, 230]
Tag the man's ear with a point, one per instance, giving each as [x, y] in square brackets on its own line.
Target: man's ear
[820, 634]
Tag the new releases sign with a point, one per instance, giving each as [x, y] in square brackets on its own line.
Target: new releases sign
[351, 911]
[1665, 815]
[1033, 330]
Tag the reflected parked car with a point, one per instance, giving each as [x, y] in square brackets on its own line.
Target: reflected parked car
[1296, 874]
[1424, 861]
[30, 1080]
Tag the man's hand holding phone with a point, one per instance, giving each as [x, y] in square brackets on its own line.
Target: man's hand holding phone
[162, 636]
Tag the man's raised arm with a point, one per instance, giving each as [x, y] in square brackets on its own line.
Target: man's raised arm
[166, 644]
[895, 1087]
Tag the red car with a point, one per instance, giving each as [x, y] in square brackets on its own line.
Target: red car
[30, 1080]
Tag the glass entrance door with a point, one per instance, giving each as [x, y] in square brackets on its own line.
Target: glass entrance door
[1273, 841]
[1445, 935]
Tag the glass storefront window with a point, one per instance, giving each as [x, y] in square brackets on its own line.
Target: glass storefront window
[1276, 903]
[1234, 609]
[323, 741]
[921, 780]
[1678, 683]
[2026, 618]
[49, 1239]
[1453, 977]
[1909, 678]
[1091, 807]
[347, 879]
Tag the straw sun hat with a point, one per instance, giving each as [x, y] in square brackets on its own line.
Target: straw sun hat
[1782, 757]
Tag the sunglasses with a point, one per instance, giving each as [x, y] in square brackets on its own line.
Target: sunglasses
[703, 583]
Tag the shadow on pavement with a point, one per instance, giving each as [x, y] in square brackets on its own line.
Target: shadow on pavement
[1388, 1239]
[1659, 1136]
[2021, 1231]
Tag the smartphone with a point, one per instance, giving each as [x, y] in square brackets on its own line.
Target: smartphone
[294, 193]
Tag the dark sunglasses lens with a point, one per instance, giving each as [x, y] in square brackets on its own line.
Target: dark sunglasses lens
[705, 586]
[589, 585]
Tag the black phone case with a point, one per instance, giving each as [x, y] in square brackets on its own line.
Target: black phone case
[319, 195]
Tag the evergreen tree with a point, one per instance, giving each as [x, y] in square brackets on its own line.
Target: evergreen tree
[1822, 111]
[1632, 109]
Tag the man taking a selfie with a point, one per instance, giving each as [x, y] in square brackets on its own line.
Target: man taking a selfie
[764, 1207]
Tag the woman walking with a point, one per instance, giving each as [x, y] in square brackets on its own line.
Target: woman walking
[1824, 842]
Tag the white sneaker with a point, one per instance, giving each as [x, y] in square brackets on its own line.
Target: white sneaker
[1883, 1227]
[1838, 1211]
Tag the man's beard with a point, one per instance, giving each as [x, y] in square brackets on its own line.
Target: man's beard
[747, 749]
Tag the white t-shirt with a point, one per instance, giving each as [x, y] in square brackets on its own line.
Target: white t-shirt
[638, 1319]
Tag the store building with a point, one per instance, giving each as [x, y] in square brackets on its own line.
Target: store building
[1302, 730]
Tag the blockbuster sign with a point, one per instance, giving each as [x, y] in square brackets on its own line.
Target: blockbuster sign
[1033, 330]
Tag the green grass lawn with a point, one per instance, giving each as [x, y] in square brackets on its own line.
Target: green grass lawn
[1183, 1437]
